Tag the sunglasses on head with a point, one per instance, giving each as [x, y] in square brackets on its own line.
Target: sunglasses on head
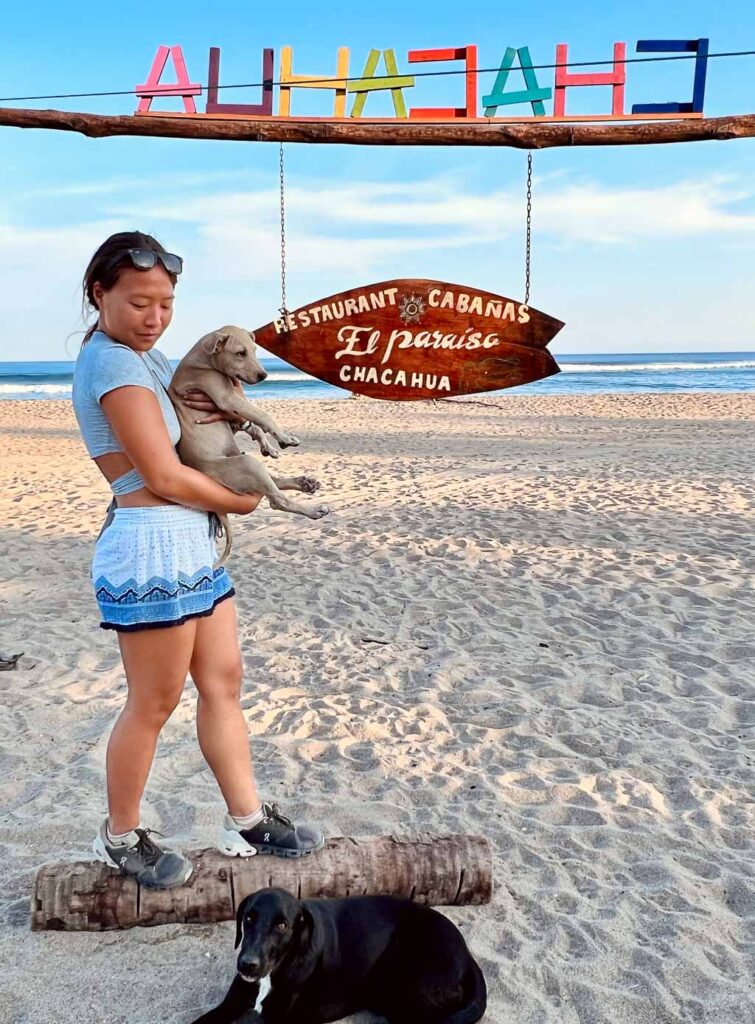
[146, 259]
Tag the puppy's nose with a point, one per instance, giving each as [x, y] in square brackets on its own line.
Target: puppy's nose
[261, 376]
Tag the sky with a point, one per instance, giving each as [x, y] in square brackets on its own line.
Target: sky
[637, 249]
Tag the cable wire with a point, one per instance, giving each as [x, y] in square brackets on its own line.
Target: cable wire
[413, 74]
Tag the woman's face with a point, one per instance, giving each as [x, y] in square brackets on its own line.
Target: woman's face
[138, 308]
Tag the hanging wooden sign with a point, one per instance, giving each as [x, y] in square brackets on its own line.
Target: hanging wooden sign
[410, 339]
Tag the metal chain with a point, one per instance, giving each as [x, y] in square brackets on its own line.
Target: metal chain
[283, 309]
[528, 263]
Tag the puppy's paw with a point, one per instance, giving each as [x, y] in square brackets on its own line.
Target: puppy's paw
[287, 440]
[308, 484]
[319, 512]
[269, 446]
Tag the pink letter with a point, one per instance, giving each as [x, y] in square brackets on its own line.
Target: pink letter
[182, 87]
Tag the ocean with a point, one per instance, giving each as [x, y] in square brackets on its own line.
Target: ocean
[668, 372]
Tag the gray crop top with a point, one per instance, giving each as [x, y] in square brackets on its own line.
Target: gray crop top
[101, 366]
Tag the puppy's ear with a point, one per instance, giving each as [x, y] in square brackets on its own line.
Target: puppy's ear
[214, 342]
[252, 336]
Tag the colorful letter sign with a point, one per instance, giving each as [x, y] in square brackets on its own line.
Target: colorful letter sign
[496, 102]
[411, 339]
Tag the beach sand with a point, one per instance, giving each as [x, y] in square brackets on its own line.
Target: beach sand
[562, 593]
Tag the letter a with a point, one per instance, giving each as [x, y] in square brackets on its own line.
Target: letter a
[392, 81]
[181, 87]
[533, 94]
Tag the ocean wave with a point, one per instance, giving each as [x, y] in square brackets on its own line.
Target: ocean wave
[65, 389]
[294, 378]
[25, 389]
[739, 364]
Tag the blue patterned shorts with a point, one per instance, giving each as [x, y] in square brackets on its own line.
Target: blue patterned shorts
[153, 567]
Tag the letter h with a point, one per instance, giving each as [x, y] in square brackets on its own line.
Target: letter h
[615, 78]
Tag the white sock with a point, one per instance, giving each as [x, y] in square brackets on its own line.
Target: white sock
[251, 819]
[127, 839]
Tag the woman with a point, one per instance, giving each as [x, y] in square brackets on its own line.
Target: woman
[153, 569]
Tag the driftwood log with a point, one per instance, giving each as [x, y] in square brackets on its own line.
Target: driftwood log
[352, 131]
[90, 896]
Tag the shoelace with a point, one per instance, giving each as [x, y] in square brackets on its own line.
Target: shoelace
[273, 811]
[149, 852]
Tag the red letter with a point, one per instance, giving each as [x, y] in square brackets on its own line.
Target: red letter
[465, 53]
[616, 78]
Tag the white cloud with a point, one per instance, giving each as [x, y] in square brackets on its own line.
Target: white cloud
[343, 235]
[366, 221]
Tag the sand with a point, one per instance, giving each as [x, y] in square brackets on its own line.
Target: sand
[562, 588]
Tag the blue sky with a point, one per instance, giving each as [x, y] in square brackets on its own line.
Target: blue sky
[636, 248]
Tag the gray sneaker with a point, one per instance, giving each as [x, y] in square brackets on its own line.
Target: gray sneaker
[151, 866]
[275, 834]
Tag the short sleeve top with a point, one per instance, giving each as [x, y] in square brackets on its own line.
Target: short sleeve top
[103, 365]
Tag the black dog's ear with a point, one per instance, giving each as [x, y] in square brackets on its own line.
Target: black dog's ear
[239, 917]
[304, 926]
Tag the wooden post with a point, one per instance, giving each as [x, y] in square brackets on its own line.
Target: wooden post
[89, 896]
[544, 133]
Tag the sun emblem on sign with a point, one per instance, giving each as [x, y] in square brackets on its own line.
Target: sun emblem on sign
[412, 308]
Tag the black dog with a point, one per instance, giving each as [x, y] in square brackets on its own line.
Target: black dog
[313, 961]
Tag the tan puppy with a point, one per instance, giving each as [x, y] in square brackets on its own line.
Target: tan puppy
[216, 365]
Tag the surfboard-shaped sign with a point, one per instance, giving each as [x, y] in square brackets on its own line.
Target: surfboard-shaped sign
[414, 339]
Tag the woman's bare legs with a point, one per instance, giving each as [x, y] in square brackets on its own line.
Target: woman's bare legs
[216, 668]
[156, 663]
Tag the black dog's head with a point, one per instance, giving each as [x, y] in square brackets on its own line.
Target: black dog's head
[271, 926]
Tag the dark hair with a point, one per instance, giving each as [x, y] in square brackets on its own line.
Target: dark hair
[106, 267]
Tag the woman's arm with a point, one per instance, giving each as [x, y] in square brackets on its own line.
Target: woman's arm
[202, 403]
[137, 420]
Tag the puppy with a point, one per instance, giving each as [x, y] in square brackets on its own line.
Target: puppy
[216, 365]
[313, 961]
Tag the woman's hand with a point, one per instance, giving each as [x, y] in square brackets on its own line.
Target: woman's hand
[201, 402]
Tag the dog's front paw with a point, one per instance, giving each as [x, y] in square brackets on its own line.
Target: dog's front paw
[287, 440]
[269, 446]
[319, 511]
[308, 484]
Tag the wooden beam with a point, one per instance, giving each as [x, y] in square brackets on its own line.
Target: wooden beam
[387, 133]
[440, 870]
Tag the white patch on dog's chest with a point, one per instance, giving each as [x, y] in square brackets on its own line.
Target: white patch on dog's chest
[265, 986]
